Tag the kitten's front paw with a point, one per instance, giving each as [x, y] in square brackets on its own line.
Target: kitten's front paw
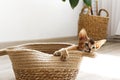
[64, 55]
[92, 55]
[57, 53]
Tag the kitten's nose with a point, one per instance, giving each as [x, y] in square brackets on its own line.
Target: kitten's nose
[89, 50]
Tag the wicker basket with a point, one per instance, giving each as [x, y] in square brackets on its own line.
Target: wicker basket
[96, 26]
[36, 62]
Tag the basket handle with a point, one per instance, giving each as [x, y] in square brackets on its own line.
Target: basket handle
[84, 9]
[3, 52]
[107, 14]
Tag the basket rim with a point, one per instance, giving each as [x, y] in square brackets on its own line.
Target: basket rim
[95, 16]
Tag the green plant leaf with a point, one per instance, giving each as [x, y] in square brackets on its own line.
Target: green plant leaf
[73, 3]
[87, 2]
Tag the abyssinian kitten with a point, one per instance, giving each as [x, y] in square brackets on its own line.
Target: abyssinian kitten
[85, 44]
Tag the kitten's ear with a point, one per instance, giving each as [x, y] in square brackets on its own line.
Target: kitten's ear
[83, 34]
[100, 43]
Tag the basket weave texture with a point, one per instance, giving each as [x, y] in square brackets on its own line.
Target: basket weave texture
[36, 62]
[96, 26]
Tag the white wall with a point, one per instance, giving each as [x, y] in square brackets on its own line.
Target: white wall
[37, 19]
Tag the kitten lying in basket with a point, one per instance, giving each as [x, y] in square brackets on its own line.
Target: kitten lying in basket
[86, 45]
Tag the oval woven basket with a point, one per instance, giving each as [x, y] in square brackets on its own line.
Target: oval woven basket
[36, 62]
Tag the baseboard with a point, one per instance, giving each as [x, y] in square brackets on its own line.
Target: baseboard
[114, 39]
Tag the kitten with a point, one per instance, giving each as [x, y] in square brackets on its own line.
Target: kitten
[85, 44]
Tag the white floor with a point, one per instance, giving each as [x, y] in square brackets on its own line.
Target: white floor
[105, 66]
[6, 72]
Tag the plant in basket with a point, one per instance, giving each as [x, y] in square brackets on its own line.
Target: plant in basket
[92, 19]
[74, 3]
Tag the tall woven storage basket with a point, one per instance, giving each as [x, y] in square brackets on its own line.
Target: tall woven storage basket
[96, 26]
[36, 62]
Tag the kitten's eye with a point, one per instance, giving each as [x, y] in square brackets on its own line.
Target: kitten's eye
[93, 47]
[86, 44]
